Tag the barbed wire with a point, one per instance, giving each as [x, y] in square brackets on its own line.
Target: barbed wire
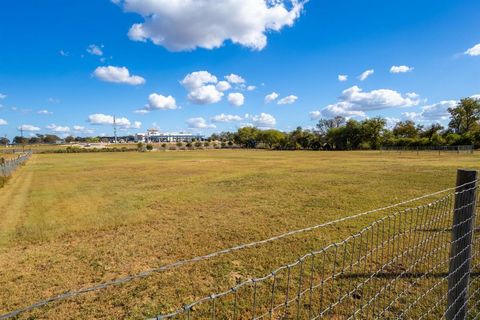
[196, 259]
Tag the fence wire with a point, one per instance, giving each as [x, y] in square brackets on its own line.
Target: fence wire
[398, 267]
[7, 167]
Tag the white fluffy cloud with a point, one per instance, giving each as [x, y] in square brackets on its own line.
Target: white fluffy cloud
[2, 96]
[342, 77]
[366, 74]
[315, 115]
[288, 99]
[201, 87]
[354, 102]
[223, 86]
[45, 112]
[251, 88]
[82, 130]
[3, 122]
[181, 25]
[199, 123]
[271, 97]
[236, 99]
[58, 129]
[93, 49]
[117, 75]
[226, 118]
[28, 127]
[264, 121]
[473, 51]
[400, 69]
[160, 102]
[104, 119]
[235, 79]
[433, 112]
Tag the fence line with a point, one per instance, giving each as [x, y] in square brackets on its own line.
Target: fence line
[7, 167]
[396, 267]
[439, 149]
[387, 269]
[180, 263]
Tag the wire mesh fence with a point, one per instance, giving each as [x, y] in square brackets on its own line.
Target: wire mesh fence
[439, 149]
[418, 259]
[412, 263]
[8, 166]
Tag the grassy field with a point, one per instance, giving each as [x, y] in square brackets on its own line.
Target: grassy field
[68, 221]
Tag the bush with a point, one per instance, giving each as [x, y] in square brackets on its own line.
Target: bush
[223, 144]
[179, 144]
[172, 148]
[164, 145]
[189, 144]
[149, 147]
[140, 145]
[230, 143]
[206, 144]
[198, 144]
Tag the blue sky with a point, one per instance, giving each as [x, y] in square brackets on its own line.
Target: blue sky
[66, 67]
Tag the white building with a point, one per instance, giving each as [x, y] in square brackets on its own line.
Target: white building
[153, 135]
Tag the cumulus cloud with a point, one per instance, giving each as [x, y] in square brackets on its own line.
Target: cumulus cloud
[433, 112]
[201, 87]
[473, 51]
[400, 69]
[288, 100]
[104, 119]
[315, 115]
[251, 88]
[199, 123]
[93, 49]
[28, 127]
[58, 129]
[263, 121]
[366, 74]
[226, 118]
[223, 86]
[45, 112]
[2, 96]
[3, 122]
[160, 102]
[271, 97]
[181, 25]
[235, 79]
[342, 77]
[82, 130]
[354, 102]
[236, 99]
[117, 75]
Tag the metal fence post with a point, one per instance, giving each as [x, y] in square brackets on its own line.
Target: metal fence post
[461, 248]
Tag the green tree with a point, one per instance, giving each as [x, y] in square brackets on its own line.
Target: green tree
[4, 141]
[272, 138]
[465, 115]
[247, 137]
[372, 130]
[406, 129]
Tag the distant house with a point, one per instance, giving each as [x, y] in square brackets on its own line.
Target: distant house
[153, 135]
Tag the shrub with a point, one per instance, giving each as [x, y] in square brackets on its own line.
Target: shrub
[179, 144]
[223, 144]
[164, 145]
[230, 143]
[206, 144]
[149, 147]
[198, 144]
[189, 144]
[172, 148]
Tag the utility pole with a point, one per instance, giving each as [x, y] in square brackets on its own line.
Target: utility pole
[115, 128]
[23, 142]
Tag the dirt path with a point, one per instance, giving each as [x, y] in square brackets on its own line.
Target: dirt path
[13, 199]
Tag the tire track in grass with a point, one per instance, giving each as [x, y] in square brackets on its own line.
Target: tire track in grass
[13, 198]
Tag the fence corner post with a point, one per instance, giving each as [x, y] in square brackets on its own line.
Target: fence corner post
[461, 246]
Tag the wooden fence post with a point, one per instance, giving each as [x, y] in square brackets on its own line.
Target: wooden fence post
[461, 248]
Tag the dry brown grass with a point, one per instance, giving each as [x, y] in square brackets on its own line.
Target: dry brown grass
[72, 220]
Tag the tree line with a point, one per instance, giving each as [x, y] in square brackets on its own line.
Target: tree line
[340, 133]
